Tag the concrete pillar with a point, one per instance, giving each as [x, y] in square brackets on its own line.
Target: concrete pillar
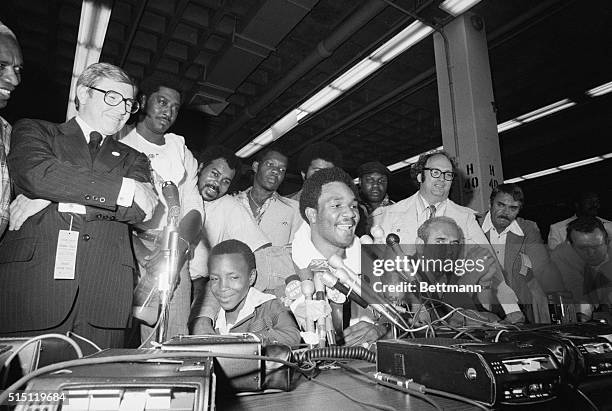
[467, 109]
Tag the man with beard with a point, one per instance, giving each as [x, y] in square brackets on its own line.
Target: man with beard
[278, 217]
[171, 160]
[11, 63]
[225, 219]
[373, 182]
[587, 205]
[69, 267]
[521, 252]
[434, 172]
[328, 204]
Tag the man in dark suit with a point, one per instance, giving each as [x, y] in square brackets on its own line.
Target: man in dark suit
[521, 252]
[69, 267]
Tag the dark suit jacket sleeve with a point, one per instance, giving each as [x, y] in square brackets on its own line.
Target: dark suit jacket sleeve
[139, 170]
[39, 173]
[544, 270]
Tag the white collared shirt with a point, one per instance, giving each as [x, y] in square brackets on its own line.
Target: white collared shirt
[498, 240]
[422, 207]
[125, 197]
[253, 299]
[87, 129]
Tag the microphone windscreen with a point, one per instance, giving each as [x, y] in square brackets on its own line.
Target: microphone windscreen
[366, 239]
[392, 239]
[171, 195]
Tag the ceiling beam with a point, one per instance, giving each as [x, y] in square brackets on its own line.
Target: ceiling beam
[179, 10]
[133, 28]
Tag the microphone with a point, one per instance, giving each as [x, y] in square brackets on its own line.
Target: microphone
[320, 295]
[366, 239]
[378, 234]
[332, 282]
[171, 195]
[371, 298]
[336, 262]
[308, 289]
[293, 287]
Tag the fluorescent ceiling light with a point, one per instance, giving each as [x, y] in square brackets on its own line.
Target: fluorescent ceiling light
[541, 173]
[409, 161]
[318, 101]
[600, 90]
[581, 163]
[457, 7]
[95, 16]
[355, 74]
[507, 125]
[546, 110]
[564, 167]
[399, 43]
[535, 114]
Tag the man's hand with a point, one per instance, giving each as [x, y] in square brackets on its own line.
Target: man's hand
[146, 198]
[363, 332]
[201, 325]
[488, 260]
[23, 208]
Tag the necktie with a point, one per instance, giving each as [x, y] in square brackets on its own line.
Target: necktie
[94, 144]
[432, 211]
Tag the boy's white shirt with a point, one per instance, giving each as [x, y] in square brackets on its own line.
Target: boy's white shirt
[254, 299]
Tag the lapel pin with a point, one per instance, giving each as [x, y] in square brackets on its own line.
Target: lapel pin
[116, 154]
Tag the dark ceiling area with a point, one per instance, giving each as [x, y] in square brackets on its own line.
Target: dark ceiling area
[245, 63]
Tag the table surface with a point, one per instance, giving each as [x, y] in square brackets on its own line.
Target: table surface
[310, 396]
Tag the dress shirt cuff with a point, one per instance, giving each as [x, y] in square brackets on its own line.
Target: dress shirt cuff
[126, 194]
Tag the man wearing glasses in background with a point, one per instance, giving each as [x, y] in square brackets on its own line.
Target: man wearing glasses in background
[69, 266]
[434, 172]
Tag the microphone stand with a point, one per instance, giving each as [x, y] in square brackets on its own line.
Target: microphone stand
[170, 254]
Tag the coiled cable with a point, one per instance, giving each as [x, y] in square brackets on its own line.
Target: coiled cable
[336, 352]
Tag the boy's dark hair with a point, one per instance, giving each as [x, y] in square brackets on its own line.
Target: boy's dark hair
[234, 247]
[586, 225]
[509, 188]
[151, 84]
[324, 151]
[311, 191]
[214, 152]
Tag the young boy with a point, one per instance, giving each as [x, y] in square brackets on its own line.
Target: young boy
[231, 265]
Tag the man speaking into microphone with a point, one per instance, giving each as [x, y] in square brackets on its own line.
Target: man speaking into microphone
[328, 204]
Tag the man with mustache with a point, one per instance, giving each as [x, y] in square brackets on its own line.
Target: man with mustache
[11, 64]
[171, 160]
[328, 204]
[225, 219]
[434, 173]
[520, 251]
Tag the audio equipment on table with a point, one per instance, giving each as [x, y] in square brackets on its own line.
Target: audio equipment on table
[492, 373]
[584, 350]
[180, 383]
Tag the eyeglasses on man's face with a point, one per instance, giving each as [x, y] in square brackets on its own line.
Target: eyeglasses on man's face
[435, 173]
[114, 98]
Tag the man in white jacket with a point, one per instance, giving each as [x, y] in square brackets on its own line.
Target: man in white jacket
[434, 172]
